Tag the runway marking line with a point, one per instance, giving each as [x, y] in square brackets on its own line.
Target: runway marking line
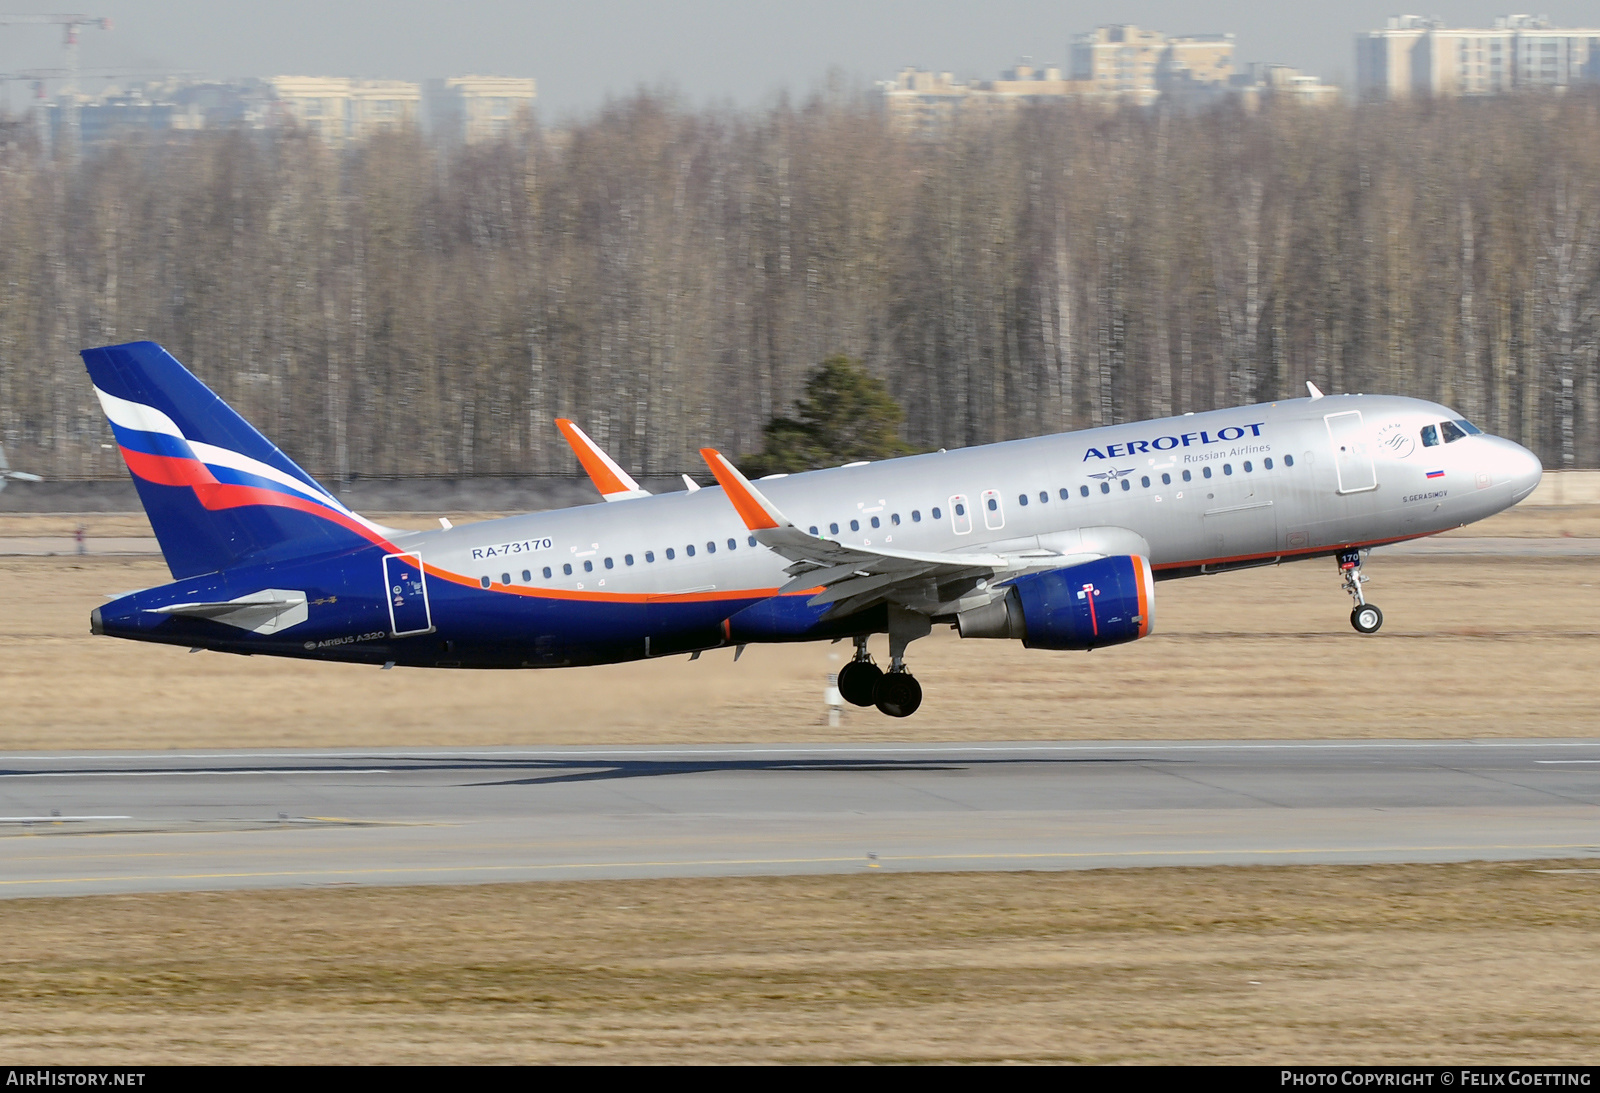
[858, 858]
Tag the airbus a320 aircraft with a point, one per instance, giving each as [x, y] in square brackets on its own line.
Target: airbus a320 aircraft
[1056, 541]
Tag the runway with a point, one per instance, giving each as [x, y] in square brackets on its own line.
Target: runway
[107, 823]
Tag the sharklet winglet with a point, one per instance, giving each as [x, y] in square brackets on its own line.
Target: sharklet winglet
[754, 509]
[614, 483]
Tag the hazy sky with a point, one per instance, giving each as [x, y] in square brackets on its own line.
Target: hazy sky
[581, 51]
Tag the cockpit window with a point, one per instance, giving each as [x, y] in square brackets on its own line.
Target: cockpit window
[1430, 436]
[1467, 426]
[1451, 432]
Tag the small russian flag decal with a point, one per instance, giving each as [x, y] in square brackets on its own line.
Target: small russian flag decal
[1435, 474]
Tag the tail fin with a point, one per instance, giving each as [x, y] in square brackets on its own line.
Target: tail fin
[217, 492]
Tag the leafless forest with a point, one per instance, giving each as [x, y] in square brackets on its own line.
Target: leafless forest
[669, 277]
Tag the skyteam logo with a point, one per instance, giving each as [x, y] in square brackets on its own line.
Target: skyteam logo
[1226, 435]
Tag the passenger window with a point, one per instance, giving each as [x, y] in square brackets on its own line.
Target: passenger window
[1205, 472]
[1064, 493]
[1247, 467]
[875, 522]
[609, 565]
[1044, 496]
[1227, 468]
[1084, 490]
[649, 555]
[936, 514]
[733, 544]
[1126, 485]
[1022, 499]
[1145, 481]
[1267, 463]
[689, 550]
[566, 568]
[627, 559]
[1451, 433]
[588, 566]
[916, 516]
[1288, 461]
[855, 525]
[527, 576]
[752, 540]
[1187, 476]
[833, 529]
[961, 510]
[1166, 479]
[1105, 487]
[671, 554]
[993, 505]
[547, 573]
[813, 529]
[484, 581]
[711, 547]
[1430, 436]
[894, 519]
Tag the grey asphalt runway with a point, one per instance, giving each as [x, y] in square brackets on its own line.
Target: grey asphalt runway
[102, 823]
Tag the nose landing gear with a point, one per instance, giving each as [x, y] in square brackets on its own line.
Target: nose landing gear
[1365, 617]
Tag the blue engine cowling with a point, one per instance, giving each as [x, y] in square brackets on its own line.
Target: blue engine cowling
[1104, 602]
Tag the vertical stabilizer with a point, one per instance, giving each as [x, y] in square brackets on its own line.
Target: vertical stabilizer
[216, 491]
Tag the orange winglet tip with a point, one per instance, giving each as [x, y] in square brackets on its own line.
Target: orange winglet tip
[750, 505]
[607, 476]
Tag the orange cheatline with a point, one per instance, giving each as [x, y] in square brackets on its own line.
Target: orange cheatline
[745, 500]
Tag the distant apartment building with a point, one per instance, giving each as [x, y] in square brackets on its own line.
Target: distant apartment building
[339, 109]
[1119, 63]
[470, 109]
[1416, 56]
[1262, 82]
[1128, 62]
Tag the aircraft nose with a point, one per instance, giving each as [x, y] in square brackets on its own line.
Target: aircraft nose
[1521, 468]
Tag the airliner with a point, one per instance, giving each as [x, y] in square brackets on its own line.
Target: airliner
[1056, 541]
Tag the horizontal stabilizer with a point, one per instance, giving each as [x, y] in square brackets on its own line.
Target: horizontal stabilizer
[264, 612]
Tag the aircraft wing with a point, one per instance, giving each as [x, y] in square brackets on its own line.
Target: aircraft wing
[856, 577]
[614, 483]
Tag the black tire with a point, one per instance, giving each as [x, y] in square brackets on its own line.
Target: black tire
[898, 694]
[1367, 619]
[857, 681]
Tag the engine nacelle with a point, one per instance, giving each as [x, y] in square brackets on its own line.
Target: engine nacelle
[1104, 602]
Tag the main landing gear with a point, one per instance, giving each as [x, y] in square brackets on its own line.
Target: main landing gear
[1365, 617]
[895, 692]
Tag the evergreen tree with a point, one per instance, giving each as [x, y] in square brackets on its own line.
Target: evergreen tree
[846, 414]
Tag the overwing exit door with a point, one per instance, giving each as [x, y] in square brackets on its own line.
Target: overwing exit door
[1352, 458]
[406, 586]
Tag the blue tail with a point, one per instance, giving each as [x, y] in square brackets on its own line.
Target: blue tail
[217, 492]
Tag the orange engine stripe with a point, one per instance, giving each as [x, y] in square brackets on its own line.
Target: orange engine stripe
[1139, 581]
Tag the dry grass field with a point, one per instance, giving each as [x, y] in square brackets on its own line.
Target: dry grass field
[1489, 646]
[1487, 963]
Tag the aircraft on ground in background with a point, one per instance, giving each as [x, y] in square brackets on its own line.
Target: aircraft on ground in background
[1055, 541]
[7, 474]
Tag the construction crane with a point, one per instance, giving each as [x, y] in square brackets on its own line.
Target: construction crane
[69, 25]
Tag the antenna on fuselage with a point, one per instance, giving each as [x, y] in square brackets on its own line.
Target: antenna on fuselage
[1315, 394]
